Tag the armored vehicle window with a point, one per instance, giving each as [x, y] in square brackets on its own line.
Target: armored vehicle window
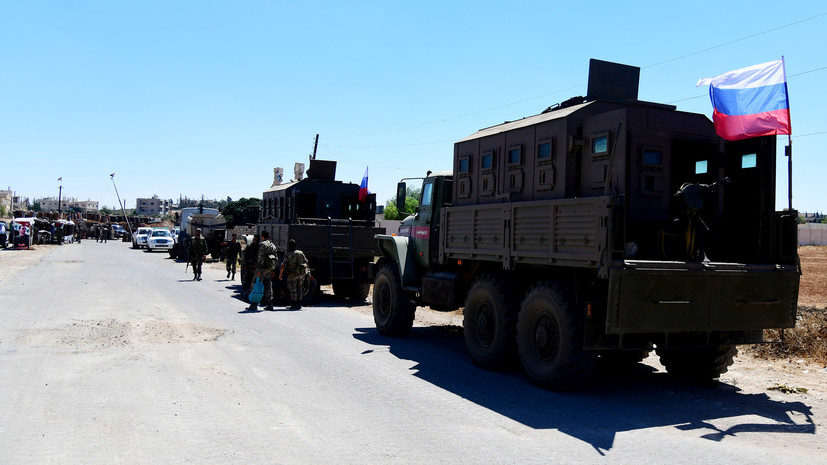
[427, 193]
[544, 151]
[652, 157]
[600, 144]
[701, 167]
[514, 157]
[463, 164]
[749, 160]
[487, 160]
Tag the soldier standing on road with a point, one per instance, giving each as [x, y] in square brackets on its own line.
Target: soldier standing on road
[265, 266]
[105, 233]
[248, 265]
[233, 251]
[295, 264]
[198, 253]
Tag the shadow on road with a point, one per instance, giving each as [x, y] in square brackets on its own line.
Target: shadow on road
[640, 399]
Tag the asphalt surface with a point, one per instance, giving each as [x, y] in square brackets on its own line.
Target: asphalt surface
[112, 355]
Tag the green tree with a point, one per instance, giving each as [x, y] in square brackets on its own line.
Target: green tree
[36, 207]
[241, 211]
[106, 211]
[411, 203]
[2, 211]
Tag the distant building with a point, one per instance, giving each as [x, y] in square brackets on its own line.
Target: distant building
[52, 204]
[6, 200]
[152, 206]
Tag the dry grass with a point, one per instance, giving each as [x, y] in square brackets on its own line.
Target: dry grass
[808, 340]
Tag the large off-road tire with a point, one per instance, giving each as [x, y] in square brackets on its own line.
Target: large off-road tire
[550, 338]
[699, 363]
[393, 312]
[490, 322]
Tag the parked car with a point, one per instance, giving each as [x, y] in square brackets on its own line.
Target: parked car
[159, 239]
[118, 231]
[139, 239]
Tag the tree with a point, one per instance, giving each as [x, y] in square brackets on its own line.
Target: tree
[106, 211]
[36, 207]
[411, 204]
[242, 211]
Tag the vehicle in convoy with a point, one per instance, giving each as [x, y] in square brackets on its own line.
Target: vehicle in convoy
[118, 231]
[140, 237]
[159, 239]
[4, 236]
[594, 232]
[213, 228]
[331, 224]
[175, 232]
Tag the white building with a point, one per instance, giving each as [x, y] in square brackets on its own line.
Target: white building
[151, 206]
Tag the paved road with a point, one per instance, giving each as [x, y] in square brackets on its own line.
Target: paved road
[111, 355]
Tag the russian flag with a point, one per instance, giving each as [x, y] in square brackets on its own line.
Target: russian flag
[363, 188]
[750, 102]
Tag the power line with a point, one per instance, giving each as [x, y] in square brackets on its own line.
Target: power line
[581, 85]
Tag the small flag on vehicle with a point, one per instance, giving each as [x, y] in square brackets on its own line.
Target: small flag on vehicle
[363, 188]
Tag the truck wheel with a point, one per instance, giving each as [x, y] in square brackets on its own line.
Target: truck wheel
[700, 363]
[549, 339]
[392, 311]
[490, 322]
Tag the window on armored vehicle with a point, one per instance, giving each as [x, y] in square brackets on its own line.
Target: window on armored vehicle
[544, 151]
[464, 164]
[749, 160]
[427, 193]
[514, 155]
[652, 157]
[487, 160]
[600, 144]
[701, 167]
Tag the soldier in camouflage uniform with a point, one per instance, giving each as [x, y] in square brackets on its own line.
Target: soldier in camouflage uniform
[295, 264]
[198, 253]
[233, 251]
[265, 266]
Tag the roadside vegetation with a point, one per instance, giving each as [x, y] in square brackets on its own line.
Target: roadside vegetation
[808, 340]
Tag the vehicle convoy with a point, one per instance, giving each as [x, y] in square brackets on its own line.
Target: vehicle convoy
[594, 232]
[159, 239]
[331, 223]
[140, 237]
[213, 228]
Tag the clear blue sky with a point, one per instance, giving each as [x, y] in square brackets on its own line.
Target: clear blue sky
[206, 97]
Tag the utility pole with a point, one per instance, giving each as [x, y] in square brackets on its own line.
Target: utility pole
[123, 210]
[59, 196]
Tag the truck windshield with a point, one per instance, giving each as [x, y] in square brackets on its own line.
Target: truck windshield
[427, 193]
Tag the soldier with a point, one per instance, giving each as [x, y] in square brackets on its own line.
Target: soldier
[295, 264]
[198, 253]
[248, 265]
[265, 266]
[233, 251]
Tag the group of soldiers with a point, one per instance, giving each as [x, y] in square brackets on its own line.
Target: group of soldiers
[259, 261]
[103, 232]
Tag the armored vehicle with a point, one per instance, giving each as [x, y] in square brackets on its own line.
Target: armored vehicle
[331, 224]
[594, 232]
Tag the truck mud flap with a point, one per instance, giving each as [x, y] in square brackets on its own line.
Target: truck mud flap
[705, 299]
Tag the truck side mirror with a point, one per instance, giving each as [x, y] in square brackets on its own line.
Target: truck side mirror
[401, 192]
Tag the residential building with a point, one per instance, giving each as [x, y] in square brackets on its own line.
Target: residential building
[152, 206]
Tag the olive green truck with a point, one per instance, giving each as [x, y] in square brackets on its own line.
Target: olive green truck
[594, 232]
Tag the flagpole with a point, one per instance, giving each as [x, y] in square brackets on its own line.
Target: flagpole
[789, 149]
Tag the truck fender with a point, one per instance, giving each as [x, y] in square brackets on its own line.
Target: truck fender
[397, 250]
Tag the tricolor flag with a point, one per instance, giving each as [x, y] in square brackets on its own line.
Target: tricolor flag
[363, 188]
[750, 102]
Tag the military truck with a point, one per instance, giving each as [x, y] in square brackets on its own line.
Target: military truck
[330, 222]
[213, 228]
[594, 232]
